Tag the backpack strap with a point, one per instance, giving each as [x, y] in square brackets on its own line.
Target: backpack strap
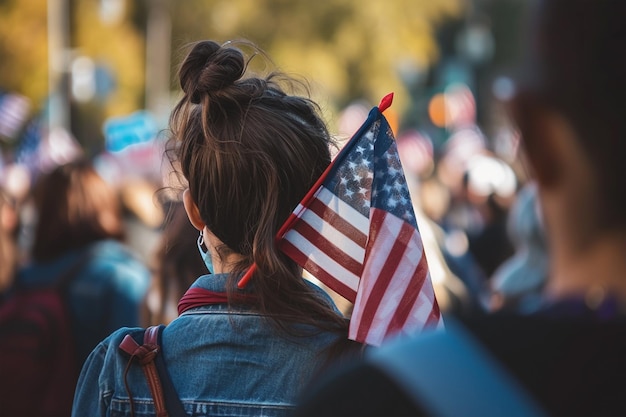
[154, 369]
[172, 400]
[450, 374]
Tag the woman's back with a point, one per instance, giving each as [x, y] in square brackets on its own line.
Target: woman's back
[239, 364]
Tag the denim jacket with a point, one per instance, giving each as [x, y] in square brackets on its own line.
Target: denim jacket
[222, 362]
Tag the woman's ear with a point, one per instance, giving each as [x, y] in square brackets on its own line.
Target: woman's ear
[192, 210]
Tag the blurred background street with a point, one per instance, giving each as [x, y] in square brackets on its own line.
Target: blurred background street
[94, 79]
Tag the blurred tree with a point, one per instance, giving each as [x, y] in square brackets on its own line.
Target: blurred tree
[23, 48]
[349, 49]
[115, 47]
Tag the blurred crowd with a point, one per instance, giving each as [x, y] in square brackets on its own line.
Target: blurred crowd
[111, 231]
[128, 232]
[477, 212]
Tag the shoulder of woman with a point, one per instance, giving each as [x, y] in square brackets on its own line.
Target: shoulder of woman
[108, 350]
[102, 372]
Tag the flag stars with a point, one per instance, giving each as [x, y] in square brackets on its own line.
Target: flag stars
[392, 171]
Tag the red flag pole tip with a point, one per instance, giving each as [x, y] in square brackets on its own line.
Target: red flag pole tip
[244, 280]
[385, 103]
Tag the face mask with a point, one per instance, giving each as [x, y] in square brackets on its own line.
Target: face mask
[206, 256]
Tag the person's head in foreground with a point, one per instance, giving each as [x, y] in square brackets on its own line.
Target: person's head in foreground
[571, 111]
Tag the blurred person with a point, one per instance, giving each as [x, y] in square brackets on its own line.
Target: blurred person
[568, 355]
[436, 199]
[176, 265]
[489, 186]
[518, 283]
[416, 153]
[79, 222]
[249, 152]
[143, 215]
[481, 195]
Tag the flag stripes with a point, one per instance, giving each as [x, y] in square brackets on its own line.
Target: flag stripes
[356, 232]
[397, 260]
[346, 287]
[330, 239]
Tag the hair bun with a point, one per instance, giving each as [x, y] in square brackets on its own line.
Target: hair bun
[209, 68]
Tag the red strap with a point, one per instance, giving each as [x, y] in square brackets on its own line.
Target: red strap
[151, 336]
[145, 355]
[197, 297]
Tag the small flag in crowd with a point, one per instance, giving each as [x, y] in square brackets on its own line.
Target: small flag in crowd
[356, 232]
[14, 109]
[27, 152]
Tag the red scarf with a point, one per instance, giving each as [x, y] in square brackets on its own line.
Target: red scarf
[197, 297]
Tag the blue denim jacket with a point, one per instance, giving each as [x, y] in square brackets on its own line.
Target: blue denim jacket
[222, 362]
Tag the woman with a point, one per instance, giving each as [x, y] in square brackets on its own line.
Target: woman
[77, 249]
[249, 152]
[79, 222]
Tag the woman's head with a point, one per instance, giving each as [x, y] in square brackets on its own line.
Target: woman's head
[248, 150]
[75, 207]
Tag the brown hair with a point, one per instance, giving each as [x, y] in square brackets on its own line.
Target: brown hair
[75, 207]
[249, 153]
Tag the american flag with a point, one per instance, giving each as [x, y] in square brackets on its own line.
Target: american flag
[356, 232]
[29, 145]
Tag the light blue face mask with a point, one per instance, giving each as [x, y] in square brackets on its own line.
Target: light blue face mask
[206, 256]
